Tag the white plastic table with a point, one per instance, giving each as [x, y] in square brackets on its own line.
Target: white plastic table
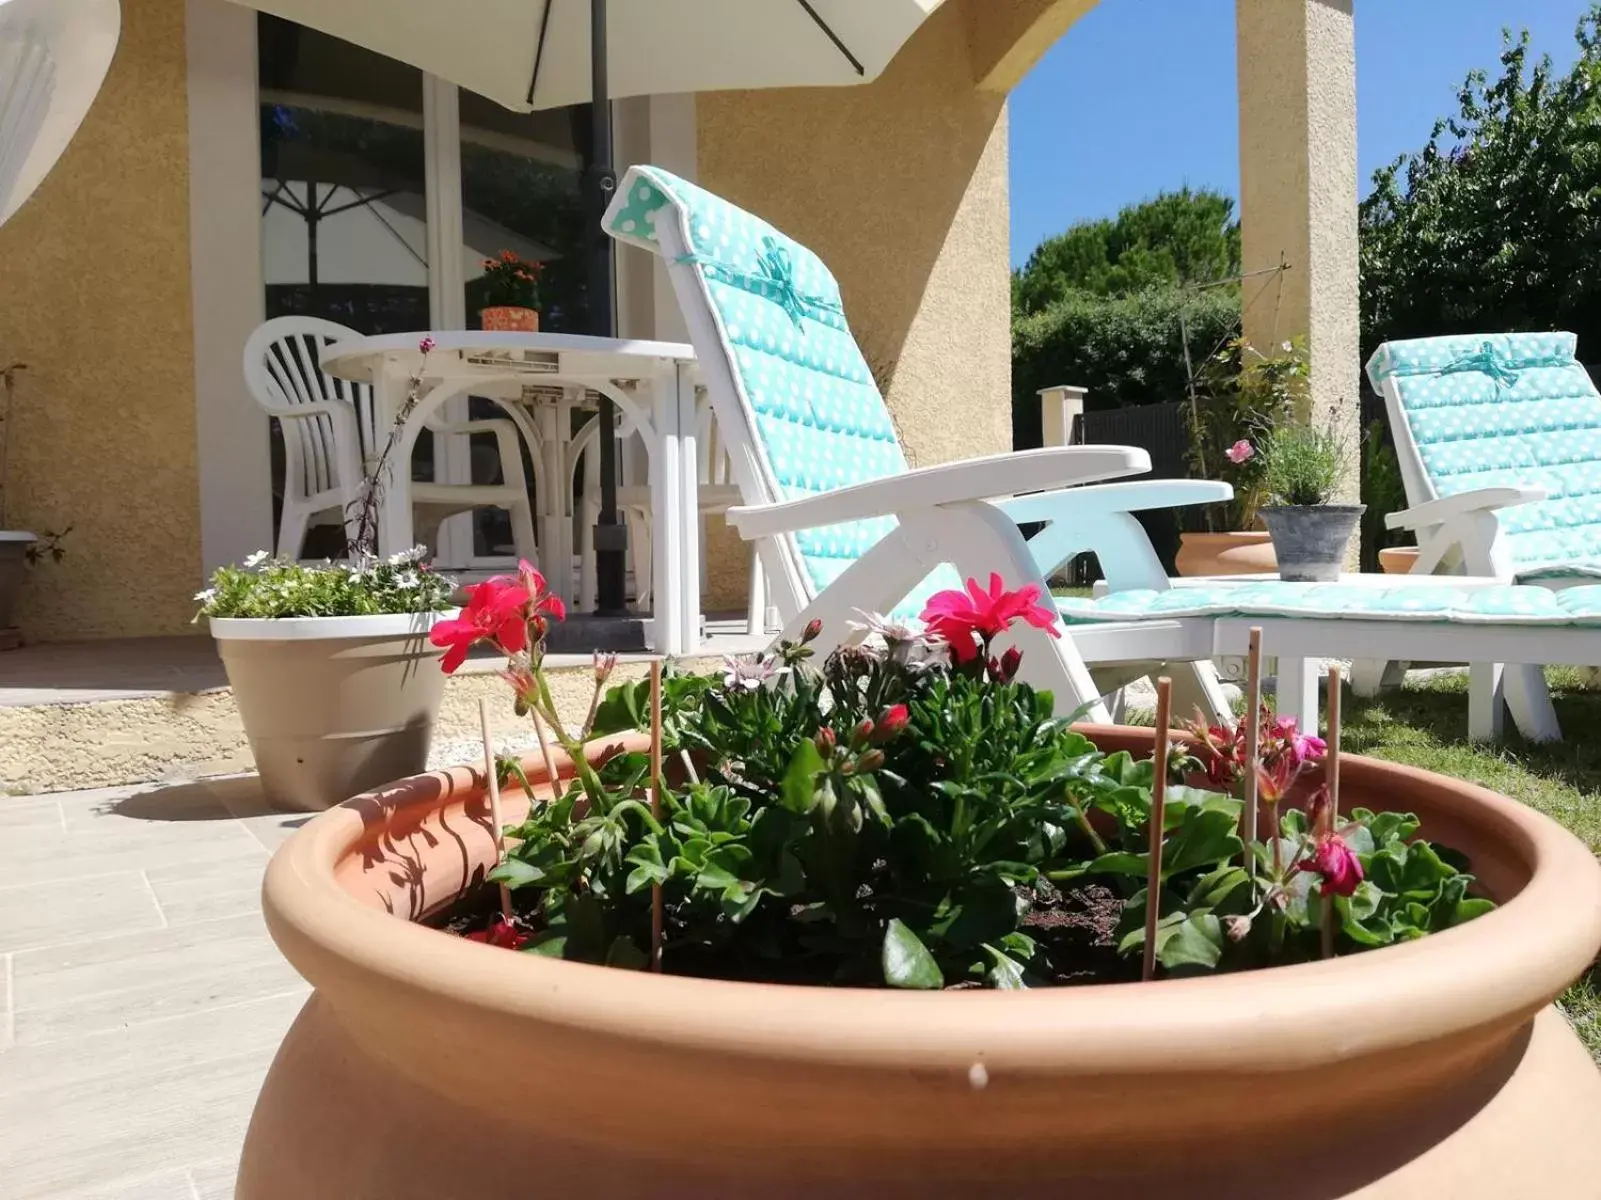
[652, 383]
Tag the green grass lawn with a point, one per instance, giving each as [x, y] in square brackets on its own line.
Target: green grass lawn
[1424, 725]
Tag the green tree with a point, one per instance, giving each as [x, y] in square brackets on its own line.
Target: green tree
[1496, 223]
[1187, 236]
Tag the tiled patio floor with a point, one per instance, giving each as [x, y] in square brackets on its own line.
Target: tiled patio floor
[143, 999]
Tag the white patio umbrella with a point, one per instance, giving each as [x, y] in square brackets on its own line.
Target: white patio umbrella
[528, 54]
[53, 59]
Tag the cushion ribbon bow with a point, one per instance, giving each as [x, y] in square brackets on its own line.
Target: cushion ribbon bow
[776, 281]
[1485, 359]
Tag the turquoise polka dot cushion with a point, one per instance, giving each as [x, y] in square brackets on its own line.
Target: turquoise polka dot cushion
[1513, 604]
[815, 413]
[1508, 410]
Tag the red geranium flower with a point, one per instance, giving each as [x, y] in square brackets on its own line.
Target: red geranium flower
[497, 611]
[502, 933]
[890, 722]
[956, 616]
[1336, 864]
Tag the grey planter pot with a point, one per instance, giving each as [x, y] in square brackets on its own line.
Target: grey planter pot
[13, 569]
[333, 706]
[1310, 539]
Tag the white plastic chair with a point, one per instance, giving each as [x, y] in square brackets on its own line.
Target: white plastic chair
[717, 493]
[328, 429]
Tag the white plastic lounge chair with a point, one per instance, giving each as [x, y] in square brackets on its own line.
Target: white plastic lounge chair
[849, 526]
[1499, 443]
[327, 428]
[842, 523]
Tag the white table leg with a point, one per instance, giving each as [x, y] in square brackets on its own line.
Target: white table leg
[667, 525]
[689, 509]
[394, 490]
[547, 420]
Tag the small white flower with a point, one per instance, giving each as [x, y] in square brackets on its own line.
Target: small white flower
[407, 579]
[206, 596]
[748, 674]
[890, 630]
[256, 559]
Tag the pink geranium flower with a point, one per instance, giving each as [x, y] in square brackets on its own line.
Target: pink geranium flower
[957, 616]
[1240, 452]
[497, 611]
[1335, 863]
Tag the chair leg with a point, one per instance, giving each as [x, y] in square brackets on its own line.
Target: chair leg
[522, 533]
[1368, 676]
[1196, 686]
[1530, 702]
[756, 601]
[1296, 695]
[1486, 702]
[588, 581]
[292, 527]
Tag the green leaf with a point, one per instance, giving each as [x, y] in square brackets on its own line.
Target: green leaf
[1004, 974]
[984, 911]
[1213, 889]
[1194, 940]
[623, 953]
[906, 961]
[1120, 862]
[799, 786]
[1207, 836]
[626, 706]
[515, 873]
[1466, 910]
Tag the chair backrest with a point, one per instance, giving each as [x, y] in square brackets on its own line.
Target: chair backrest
[284, 373]
[796, 404]
[1478, 411]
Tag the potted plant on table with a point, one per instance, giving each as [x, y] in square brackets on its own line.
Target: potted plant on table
[510, 294]
[1304, 469]
[1239, 396]
[896, 910]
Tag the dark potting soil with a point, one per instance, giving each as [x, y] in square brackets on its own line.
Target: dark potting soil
[1074, 928]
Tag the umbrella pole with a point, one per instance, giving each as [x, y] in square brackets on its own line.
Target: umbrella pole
[611, 536]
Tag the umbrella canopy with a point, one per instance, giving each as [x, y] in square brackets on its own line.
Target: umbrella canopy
[527, 54]
[367, 236]
[53, 59]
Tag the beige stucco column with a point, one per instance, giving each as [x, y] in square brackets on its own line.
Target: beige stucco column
[1298, 192]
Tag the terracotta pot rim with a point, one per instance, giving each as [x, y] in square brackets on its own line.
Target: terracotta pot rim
[1495, 972]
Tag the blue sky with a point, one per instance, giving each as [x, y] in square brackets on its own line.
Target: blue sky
[1139, 96]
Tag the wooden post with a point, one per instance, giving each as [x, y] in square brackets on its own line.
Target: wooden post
[544, 750]
[1331, 812]
[1153, 878]
[1253, 737]
[656, 914]
[494, 802]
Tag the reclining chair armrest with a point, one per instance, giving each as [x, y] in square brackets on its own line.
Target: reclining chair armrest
[1437, 512]
[1137, 495]
[988, 478]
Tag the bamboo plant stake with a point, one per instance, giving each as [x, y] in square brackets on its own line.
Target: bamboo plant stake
[493, 776]
[544, 750]
[1253, 737]
[1331, 812]
[1153, 878]
[656, 806]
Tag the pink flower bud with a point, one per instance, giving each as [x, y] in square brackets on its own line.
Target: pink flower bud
[426, 345]
[813, 628]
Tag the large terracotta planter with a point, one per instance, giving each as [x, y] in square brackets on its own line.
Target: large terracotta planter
[1242, 552]
[333, 705]
[428, 1066]
[13, 569]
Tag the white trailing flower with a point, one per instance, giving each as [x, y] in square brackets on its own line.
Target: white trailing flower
[876, 624]
[205, 596]
[748, 674]
[256, 559]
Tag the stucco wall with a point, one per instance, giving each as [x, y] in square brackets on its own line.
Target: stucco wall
[94, 297]
[901, 187]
